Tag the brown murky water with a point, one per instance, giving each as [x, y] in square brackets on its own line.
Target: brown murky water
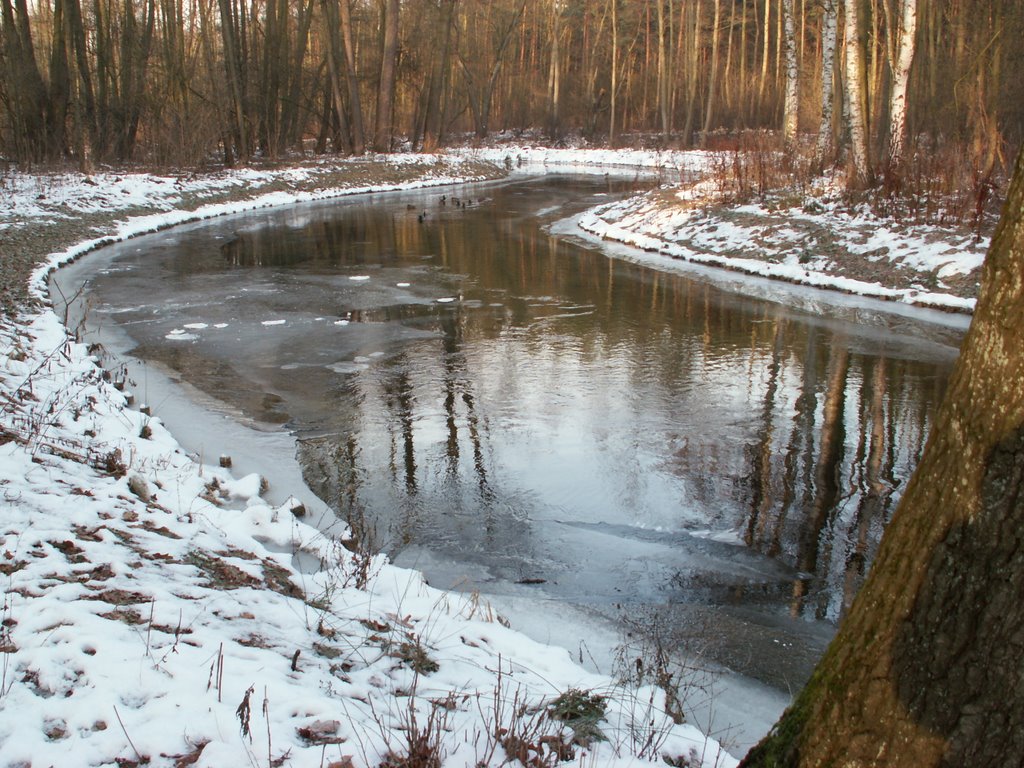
[515, 412]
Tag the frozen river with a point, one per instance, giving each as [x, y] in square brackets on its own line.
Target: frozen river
[516, 413]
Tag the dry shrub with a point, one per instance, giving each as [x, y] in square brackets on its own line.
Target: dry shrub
[756, 164]
[941, 182]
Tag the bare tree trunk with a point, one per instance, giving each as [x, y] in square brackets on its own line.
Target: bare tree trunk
[388, 69]
[85, 101]
[294, 90]
[481, 94]
[438, 89]
[37, 118]
[233, 66]
[691, 74]
[662, 77]
[343, 132]
[709, 109]
[613, 96]
[766, 48]
[354, 102]
[555, 74]
[134, 63]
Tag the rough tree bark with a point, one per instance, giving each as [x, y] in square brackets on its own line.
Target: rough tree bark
[925, 670]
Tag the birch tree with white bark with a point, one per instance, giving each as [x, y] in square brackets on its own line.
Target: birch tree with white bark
[791, 106]
[854, 104]
[901, 59]
[829, 32]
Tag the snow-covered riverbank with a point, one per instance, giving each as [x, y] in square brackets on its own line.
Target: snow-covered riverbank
[154, 608]
[154, 611]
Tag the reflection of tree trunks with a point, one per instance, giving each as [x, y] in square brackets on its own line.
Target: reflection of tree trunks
[801, 442]
[826, 474]
[400, 399]
[457, 379]
[478, 453]
[761, 500]
[874, 491]
[450, 349]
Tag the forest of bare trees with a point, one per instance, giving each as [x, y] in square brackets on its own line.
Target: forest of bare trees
[188, 82]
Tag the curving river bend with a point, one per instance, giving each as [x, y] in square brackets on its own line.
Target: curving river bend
[522, 414]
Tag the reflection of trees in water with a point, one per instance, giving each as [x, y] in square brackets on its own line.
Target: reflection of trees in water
[781, 429]
[357, 239]
[826, 458]
[395, 399]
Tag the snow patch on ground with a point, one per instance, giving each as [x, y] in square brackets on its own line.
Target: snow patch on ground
[831, 248]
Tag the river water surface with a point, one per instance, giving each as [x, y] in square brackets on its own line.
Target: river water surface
[519, 413]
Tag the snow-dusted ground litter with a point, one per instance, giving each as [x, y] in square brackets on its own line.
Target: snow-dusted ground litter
[820, 243]
[158, 610]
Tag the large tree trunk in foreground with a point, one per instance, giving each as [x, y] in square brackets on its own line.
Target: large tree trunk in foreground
[925, 670]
